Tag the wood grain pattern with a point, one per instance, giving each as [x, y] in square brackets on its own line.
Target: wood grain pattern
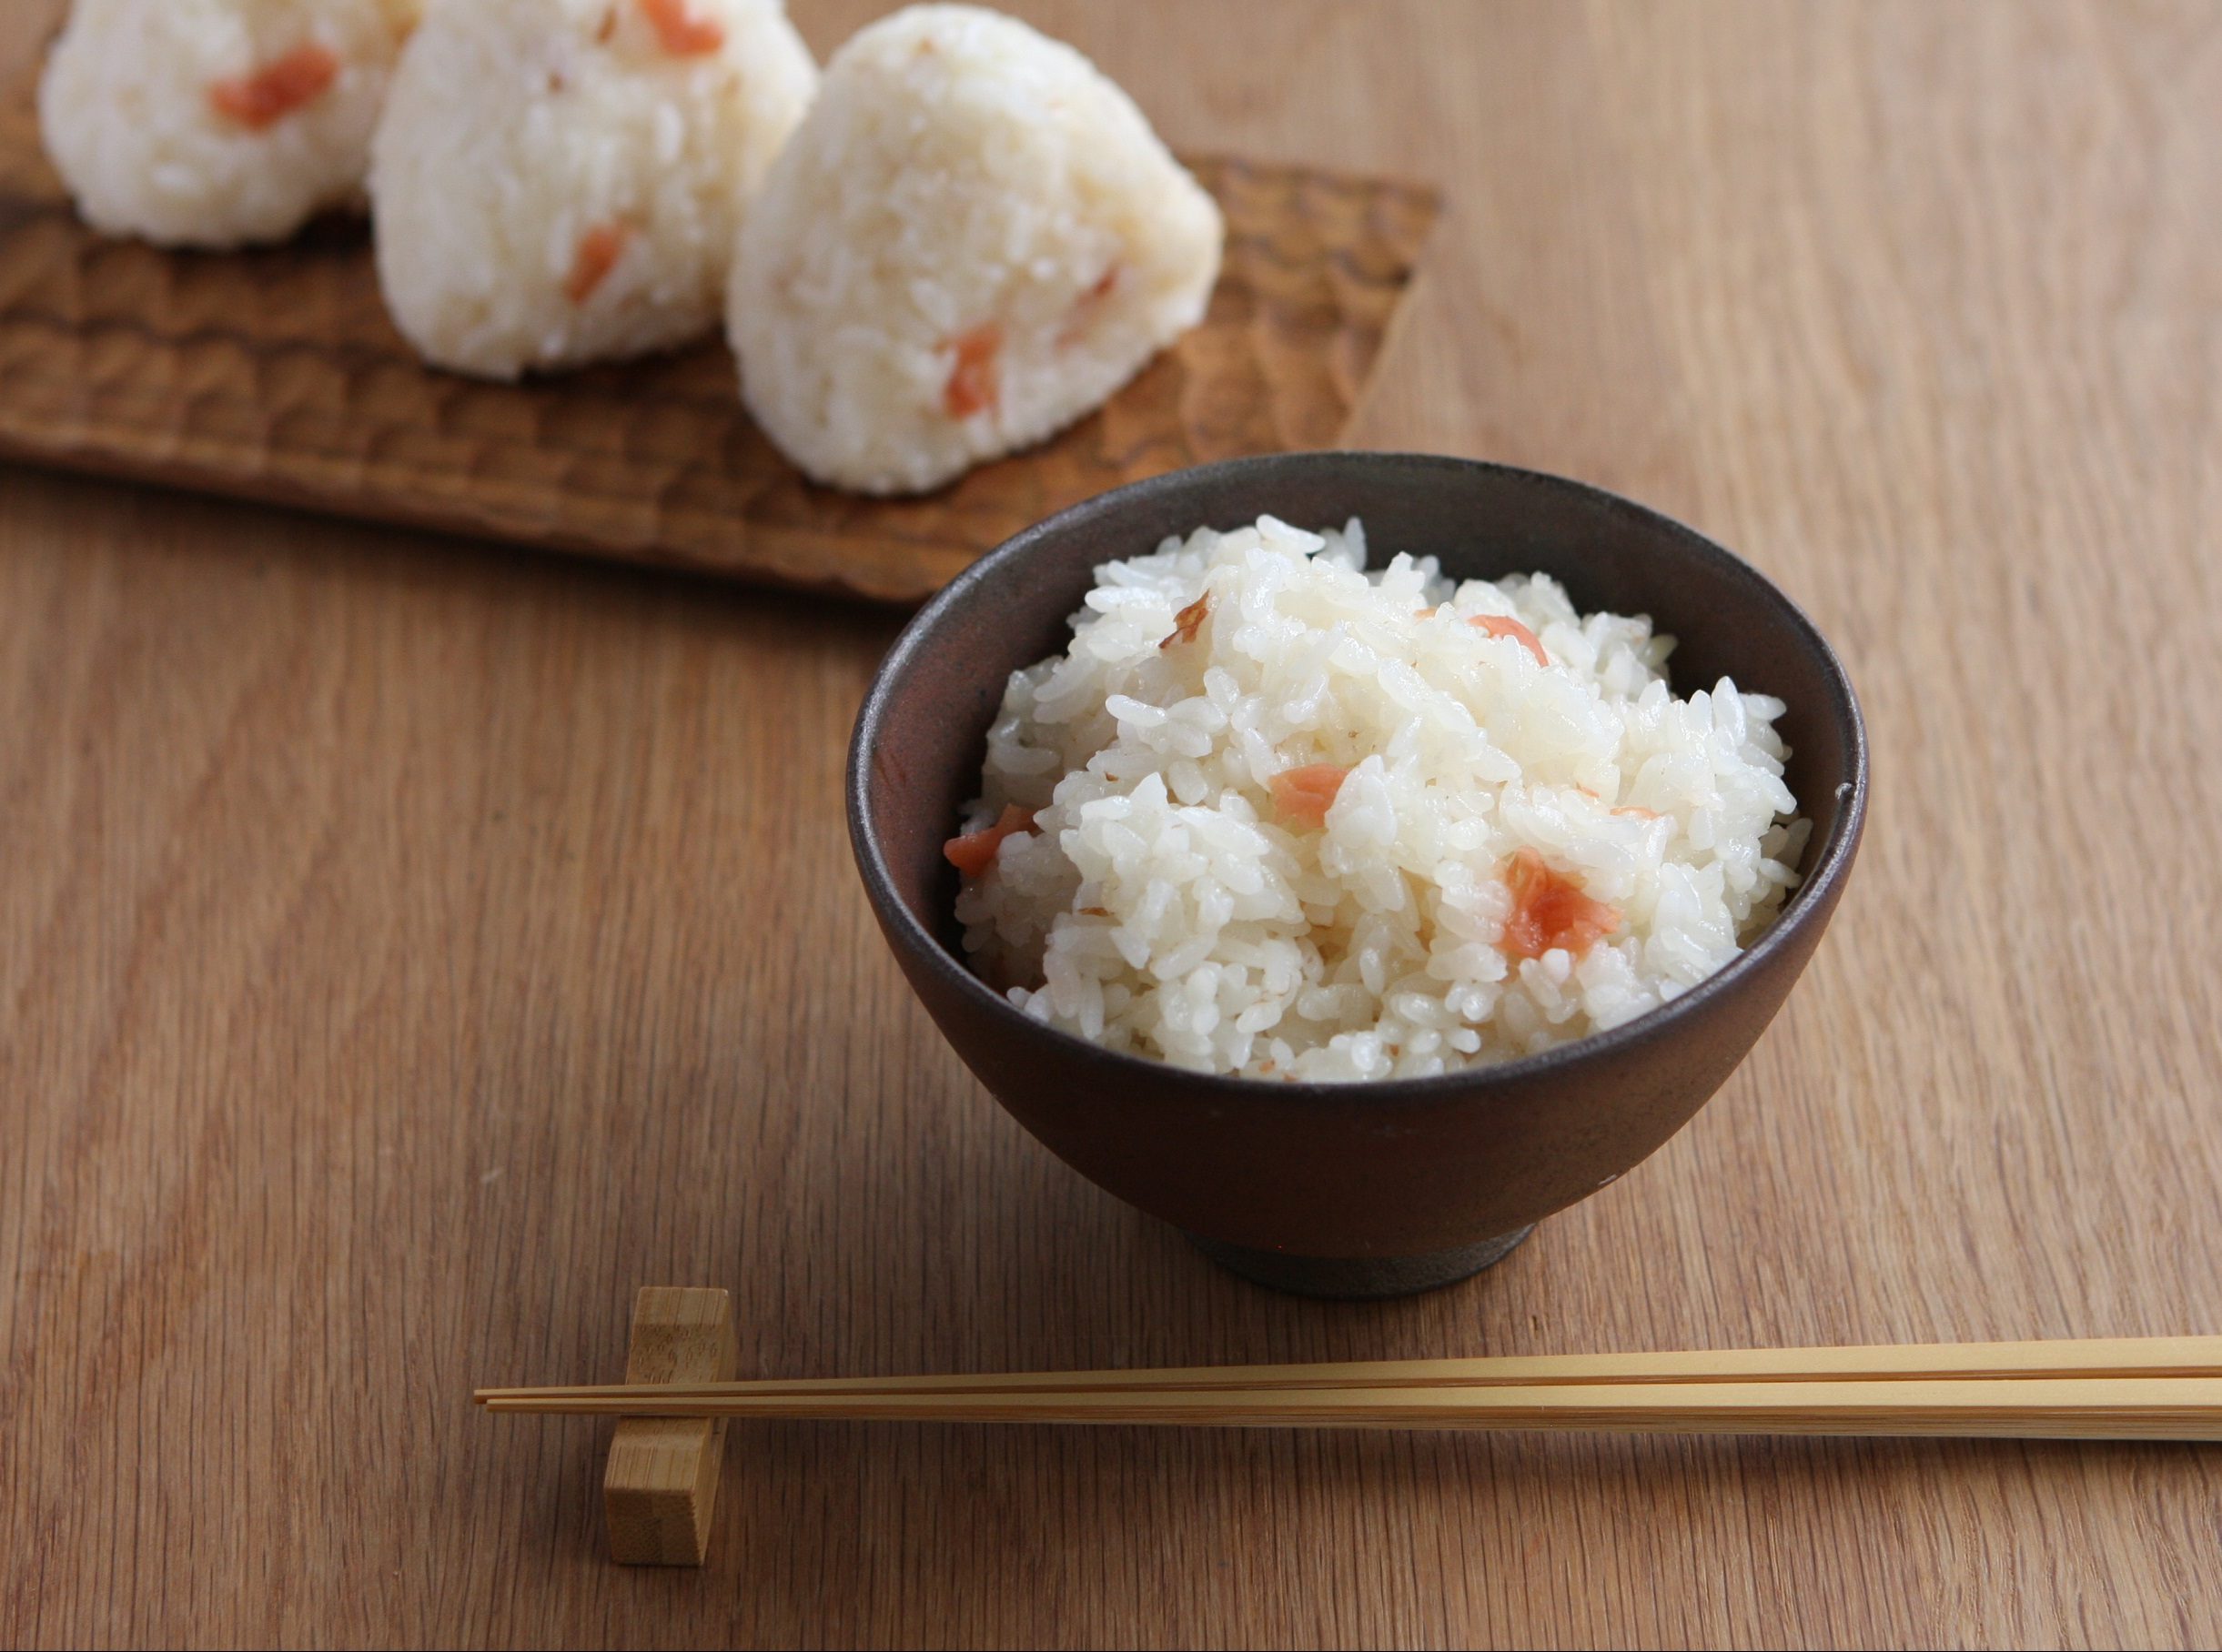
[659, 1485]
[277, 375]
[406, 954]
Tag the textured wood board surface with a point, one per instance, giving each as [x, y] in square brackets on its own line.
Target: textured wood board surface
[275, 375]
[406, 955]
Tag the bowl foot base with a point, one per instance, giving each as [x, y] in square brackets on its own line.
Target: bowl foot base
[1358, 1278]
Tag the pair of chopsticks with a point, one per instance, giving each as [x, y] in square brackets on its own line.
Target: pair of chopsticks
[2132, 1388]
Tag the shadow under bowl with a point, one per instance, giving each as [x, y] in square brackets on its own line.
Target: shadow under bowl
[1361, 1189]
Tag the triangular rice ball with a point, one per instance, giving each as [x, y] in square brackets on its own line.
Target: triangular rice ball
[972, 238]
[216, 123]
[556, 182]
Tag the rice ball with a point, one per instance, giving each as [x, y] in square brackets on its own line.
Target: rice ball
[556, 182]
[972, 239]
[216, 123]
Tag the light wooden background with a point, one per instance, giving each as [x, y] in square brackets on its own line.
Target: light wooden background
[407, 949]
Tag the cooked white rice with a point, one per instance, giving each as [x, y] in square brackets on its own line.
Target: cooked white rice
[1163, 903]
[557, 182]
[974, 240]
[148, 111]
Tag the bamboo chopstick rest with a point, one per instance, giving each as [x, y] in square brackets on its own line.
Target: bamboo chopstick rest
[662, 1482]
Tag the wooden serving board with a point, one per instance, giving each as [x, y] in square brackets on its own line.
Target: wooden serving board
[275, 375]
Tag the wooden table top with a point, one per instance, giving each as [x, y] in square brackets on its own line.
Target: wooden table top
[408, 949]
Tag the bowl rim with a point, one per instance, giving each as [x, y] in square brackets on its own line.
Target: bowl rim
[1831, 860]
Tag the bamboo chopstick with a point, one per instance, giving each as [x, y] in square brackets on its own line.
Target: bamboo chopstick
[2122, 1408]
[2155, 1356]
[2106, 1388]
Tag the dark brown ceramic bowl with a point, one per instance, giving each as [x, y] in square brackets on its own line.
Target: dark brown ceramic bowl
[1348, 1190]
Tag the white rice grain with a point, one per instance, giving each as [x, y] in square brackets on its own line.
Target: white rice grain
[1163, 903]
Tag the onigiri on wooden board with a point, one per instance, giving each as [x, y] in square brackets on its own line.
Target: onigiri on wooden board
[276, 374]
